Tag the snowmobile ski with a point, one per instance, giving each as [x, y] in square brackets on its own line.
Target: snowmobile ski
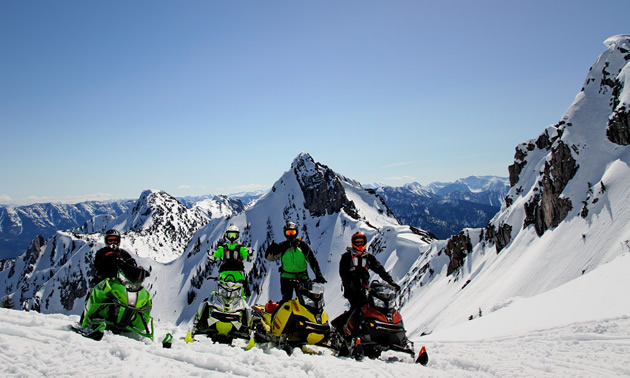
[95, 333]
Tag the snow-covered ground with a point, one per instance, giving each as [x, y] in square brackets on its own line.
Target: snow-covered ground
[579, 329]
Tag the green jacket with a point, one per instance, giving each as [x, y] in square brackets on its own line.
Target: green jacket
[294, 258]
[232, 256]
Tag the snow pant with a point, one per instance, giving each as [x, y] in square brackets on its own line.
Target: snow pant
[357, 298]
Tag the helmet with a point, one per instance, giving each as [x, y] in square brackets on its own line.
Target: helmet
[112, 238]
[359, 241]
[232, 233]
[290, 231]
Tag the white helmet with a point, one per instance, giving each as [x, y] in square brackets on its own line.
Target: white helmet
[232, 233]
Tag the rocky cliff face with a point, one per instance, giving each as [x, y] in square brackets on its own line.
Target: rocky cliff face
[323, 192]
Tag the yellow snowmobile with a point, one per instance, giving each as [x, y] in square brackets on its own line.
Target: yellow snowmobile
[299, 322]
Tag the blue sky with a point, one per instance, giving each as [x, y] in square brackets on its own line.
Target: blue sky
[104, 99]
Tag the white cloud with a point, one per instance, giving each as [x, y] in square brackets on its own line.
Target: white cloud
[184, 187]
[65, 199]
[243, 188]
[400, 164]
[5, 198]
[401, 178]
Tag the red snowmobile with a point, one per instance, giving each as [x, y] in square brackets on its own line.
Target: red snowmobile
[377, 327]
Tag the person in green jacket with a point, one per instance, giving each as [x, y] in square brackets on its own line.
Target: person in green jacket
[295, 255]
[231, 253]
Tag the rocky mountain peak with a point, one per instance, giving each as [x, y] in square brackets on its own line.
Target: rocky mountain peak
[322, 188]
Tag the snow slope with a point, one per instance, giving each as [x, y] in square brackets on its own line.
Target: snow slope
[572, 330]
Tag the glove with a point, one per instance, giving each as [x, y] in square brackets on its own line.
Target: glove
[320, 279]
[395, 285]
[188, 338]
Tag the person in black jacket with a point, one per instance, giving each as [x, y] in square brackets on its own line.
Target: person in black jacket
[295, 255]
[108, 258]
[354, 269]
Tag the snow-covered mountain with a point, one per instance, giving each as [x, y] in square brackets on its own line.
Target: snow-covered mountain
[567, 211]
[328, 208]
[489, 190]
[218, 206]
[20, 225]
[158, 226]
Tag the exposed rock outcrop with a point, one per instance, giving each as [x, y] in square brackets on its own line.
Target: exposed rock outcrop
[323, 192]
[548, 208]
[500, 236]
[619, 127]
[457, 247]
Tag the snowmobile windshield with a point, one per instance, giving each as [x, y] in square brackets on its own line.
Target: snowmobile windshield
[382, 296]
[129, 284]
[382, 291]
[313, 287]
[132, 276]
[229, 289]
[311, 296]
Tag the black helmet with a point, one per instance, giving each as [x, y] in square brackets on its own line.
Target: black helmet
[112, 238]
[359, 241]
[290, 231]
[232, 233]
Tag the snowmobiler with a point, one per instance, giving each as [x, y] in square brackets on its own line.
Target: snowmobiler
[379, 328]
[372, 324]
[299, 322]
[232, 253]
[107, 258]
[295, 255]
[120, 304]
[224, 316]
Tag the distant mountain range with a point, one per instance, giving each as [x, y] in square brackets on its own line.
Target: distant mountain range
[443, 209]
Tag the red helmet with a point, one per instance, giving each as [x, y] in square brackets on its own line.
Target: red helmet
[359, 241]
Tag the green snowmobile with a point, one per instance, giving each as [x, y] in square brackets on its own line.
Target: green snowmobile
[119, 304]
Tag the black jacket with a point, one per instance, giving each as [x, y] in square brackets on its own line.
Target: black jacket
[354, 269]
[107, 260]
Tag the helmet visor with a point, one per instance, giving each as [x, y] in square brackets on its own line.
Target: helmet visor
[290, 232]
[112, 239]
